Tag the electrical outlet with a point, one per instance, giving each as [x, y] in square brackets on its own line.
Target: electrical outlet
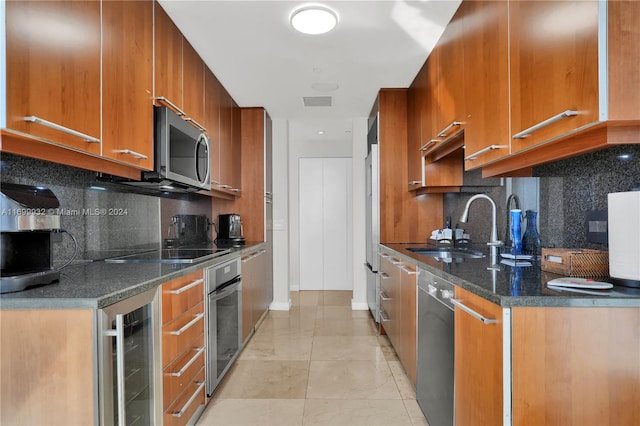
[597, 224]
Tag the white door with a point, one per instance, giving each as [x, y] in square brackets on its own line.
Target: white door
[325, 224]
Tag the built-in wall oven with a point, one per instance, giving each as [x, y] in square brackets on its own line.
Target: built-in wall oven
[224, 319]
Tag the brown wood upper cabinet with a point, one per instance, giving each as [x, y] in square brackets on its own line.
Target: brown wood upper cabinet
[554, 69]
[446, 90]
[222, 120]
[179, 71]
[53, 71]
[127, 97]
[574, 77]
[486, 62]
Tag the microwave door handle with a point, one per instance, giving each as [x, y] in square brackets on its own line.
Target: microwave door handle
[201, 141]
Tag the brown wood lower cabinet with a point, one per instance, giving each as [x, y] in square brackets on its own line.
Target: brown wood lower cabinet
[183, 344]
[255, 296]
[398, 304]
[576, 366]
[47, 367]
[478, 362]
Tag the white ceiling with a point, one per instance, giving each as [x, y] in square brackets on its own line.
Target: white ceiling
[262, 61]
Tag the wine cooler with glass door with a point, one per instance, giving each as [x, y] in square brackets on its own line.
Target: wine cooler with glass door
[128, 347]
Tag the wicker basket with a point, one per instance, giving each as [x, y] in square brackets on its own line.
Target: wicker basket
[583, 263]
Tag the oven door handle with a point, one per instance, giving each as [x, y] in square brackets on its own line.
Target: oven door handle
[218, 291]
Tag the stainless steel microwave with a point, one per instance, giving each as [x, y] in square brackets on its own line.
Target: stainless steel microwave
[181, 154]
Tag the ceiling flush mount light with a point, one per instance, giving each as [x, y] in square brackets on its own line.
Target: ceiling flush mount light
[321, 132]
[313, 19]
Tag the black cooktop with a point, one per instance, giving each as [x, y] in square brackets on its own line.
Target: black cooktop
[174, 255]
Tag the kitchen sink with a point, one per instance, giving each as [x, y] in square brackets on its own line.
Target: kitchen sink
[446, 253]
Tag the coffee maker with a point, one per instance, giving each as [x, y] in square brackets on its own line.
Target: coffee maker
[230, 230]
[29, 218]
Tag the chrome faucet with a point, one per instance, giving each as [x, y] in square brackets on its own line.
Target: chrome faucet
[494, 243]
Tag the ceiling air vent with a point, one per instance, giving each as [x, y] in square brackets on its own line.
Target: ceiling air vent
[317, 101]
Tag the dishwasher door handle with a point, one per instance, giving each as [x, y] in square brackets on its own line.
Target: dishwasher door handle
[473, 313]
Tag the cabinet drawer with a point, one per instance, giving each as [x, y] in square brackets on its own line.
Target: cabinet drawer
[178, 374]
[181, 294]
[178, 334]
[183, 409]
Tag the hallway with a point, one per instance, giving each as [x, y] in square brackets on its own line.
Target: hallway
[318, 364]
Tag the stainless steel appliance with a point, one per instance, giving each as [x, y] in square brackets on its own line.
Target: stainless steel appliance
[434, 378]
[230, 230]
[181, 160]
[187, 229]
[173, 255]
[224, 319]
[372, 221]
[29, 218]
[128, 353]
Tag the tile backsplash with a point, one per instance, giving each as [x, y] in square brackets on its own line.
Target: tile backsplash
[570, 188]
[127, 218]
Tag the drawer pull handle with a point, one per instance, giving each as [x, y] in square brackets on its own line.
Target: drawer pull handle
[384, 275]
[188, 325]
[384, 297]
[383, 318]
[186, 287]
[170, 104]
[188, 364]
[473, 313]
[484, 151]
[445, 131]
[415, 182]
[188, 404]
[525, 133]
[51, 125]
[132, 153]
[407, 270]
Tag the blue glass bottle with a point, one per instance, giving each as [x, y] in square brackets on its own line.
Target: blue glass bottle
[531, 243]
[516, 231]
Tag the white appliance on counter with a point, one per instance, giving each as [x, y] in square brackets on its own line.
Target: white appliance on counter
[624, 235]
[372, 169]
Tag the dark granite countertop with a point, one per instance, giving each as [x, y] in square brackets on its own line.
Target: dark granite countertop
[510, 286]
[97, 284]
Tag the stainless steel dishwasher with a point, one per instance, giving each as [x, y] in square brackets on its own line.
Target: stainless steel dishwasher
[434, 378]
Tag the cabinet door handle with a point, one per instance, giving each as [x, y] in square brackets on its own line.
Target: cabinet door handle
[235, 189]
[525, 133]
[130, 152]
[384, 297]
[188, 325]
[51, 125]
[415, 182]
[188, 403]
[428, 144]
[484, 151]
[188, 364]
[170, 104]
[383, 275]
[445, 131]
[186, 287]
[385, 255]
[471, 312]
[195, 123]
[395, 261]
[383, 318]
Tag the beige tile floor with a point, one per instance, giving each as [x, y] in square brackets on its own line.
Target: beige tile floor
[318, 364]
